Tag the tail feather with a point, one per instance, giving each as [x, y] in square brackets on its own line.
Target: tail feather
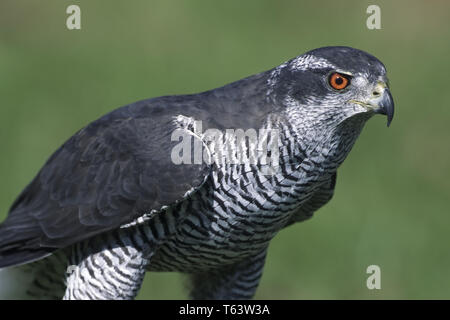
[17, 249]
[18, 257]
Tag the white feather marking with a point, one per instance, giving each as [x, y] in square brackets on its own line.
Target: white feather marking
[274, 75]
[306, 62]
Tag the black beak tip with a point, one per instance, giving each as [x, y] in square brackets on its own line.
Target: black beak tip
[389, 120]
[387, 106]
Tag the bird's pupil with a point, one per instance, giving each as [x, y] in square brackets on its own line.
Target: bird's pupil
[339, 80]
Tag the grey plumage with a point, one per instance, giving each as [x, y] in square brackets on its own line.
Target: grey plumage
[111, 204]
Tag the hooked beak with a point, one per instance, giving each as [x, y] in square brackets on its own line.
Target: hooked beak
[385, 105]
[381, 103]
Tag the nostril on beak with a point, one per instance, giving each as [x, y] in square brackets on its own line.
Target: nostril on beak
[376, 93]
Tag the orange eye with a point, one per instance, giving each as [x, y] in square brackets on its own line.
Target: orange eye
[338, 81]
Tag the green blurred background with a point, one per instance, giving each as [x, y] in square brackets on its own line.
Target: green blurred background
[391, 202]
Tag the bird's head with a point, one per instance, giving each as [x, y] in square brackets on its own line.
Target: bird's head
[333, 84]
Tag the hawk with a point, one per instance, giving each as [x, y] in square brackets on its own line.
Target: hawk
[112, 202]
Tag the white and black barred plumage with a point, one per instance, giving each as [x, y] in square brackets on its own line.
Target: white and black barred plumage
[110, 204]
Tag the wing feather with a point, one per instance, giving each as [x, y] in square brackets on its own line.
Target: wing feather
[106, 175]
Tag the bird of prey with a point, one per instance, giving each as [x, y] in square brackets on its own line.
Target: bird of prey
[111, 203]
